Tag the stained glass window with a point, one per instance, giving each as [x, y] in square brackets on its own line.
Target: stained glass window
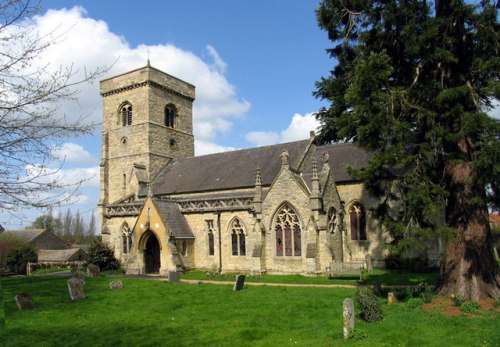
[237, 238]
[211, 242]
[288, 232]
[357, 222]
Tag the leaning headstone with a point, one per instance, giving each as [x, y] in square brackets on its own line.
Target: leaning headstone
[238, 284]
[92, 270]
[391, 298]
[377, 288]
[368, 262]
[24, 301]
[78, 275]
[75, 288]
[116, 284]
[174, 276]
[348, 314]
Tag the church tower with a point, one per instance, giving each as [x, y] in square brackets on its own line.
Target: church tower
[147, 121]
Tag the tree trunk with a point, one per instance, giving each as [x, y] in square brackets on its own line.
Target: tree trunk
[469, 268]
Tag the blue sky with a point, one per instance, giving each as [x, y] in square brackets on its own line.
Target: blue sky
[254, 64]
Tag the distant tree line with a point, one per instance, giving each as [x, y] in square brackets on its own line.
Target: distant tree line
[71, 228]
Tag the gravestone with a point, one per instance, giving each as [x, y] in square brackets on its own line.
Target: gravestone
[377, 288]
[348, 314]
[391, 298]
[92, 270]
[75, 288]
[116, 284]
[238, 284]
[174, 276]
[24, 302]
[368, 262]
[78, 275]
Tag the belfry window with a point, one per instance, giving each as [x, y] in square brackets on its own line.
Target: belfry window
[126, 113]
[211, 241]
[357, 221]
[288, 232]
[238, 246]
[170, 114]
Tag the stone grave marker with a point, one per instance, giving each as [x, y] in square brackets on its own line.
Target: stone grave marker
[391, 298]
[78, 275]
[377, 288]
[116, 284]
[24, 301]
[348, 314]
[238, 284]
[92, 270]
[174, 276]
[75, 288]
[368, 263]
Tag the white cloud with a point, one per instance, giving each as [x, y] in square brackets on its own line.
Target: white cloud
[72, 153]
[203, 147]
[216, 102]
[298, 129]
[263, 138]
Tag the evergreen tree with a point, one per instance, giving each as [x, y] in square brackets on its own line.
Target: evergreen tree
[78, 228]
[413, 84]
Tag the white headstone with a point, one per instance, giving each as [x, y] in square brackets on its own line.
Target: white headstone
[348, 314]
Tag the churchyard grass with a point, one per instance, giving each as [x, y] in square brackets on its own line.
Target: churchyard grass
[382, 276]
[158, 313]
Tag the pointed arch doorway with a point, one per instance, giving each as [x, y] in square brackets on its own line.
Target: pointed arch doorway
[152, 255]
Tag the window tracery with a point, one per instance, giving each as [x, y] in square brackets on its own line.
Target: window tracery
[126, 112]
[288, 232]
[238, 242]
[357, 221]
[127, 238]
[170, 114]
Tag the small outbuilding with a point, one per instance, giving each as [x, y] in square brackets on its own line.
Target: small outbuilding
[60, 255]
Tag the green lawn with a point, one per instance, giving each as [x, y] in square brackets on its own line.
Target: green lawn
[157, 313]
[382, 276]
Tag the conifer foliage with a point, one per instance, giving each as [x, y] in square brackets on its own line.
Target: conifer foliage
[413, 83]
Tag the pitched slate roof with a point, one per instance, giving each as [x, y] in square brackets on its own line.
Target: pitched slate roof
[26, 234]
[228, 170]
[174, 219]
[57, 254]
[342, 155]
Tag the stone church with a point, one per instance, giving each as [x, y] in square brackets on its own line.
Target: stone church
[286, 208]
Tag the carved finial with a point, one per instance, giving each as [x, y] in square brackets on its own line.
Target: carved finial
[284, 157]
[148, 62]
[314, 169]
[312, 134]
[326, 157]
[258, 177]
[150, 190]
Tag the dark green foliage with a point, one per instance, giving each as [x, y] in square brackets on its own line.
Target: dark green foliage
[414, 303]
[427, 292]
[470, 307]
[367, 301]
[497, 301]
[414, 84]
[417, 264]
[101, 255]
[18, 258]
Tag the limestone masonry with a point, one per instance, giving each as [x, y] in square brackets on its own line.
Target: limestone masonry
[287, 208]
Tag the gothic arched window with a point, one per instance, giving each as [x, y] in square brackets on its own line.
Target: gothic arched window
[357, 221]
[211, 241]
[170, 114]
[238, 245]
[127, 238]
[288, 232]
[126, 112]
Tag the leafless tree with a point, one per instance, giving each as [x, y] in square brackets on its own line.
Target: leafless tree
[30, 121]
